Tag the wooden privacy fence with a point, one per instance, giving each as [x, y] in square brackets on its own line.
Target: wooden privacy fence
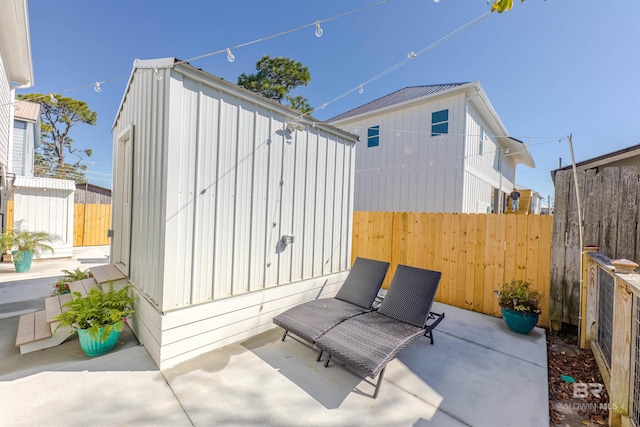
[90, 224]
[476, 253]
[610, 208]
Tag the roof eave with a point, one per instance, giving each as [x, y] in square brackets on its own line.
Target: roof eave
[15, 43]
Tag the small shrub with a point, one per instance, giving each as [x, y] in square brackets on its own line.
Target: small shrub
[518, 295]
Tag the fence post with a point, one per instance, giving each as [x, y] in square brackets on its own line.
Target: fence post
[620, 353]
[584, 323]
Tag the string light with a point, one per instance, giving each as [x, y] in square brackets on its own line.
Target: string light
[361, 91]
[53, 99]
[157, 73]
[318, 29]
[410, 56]
[230, 56]
[97, 87]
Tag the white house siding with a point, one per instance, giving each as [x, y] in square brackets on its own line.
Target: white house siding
[486, 171]
[410, 170]
[217, 181]
[5, 113]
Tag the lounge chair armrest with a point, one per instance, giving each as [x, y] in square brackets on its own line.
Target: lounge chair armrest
[438, 318]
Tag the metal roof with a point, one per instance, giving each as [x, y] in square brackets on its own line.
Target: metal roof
[602, 160]
[27, 111]
[398, 97]
[46, 183]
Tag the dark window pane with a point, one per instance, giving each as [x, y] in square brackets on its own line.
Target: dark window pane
[441, 129]
[440, 116]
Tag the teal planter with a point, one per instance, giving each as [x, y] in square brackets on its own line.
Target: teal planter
[519, 322]
[22, 260]
[93, 347]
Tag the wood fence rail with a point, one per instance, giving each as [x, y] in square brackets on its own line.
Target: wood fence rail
[476, 253]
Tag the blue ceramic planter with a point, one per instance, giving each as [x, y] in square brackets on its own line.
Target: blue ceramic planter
[22, 260]
[93, 347]
[518, 321]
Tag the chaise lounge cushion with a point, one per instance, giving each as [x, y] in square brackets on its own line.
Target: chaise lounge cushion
[313, 318]
[368, 342]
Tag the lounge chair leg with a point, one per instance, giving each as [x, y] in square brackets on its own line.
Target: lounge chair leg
[319, 356]
[327, 362]
[375, 393]
[430, 336]
[285, 335]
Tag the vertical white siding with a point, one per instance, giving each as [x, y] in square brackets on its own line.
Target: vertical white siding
[486, 171]
[17, 156]
[411, 170]
[231, 182]
[144, 109]
[5, 113]
[50, 211]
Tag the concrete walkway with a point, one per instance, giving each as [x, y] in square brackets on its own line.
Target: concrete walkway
[478, 373]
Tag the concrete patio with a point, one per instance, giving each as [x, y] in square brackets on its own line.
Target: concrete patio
[478, 373]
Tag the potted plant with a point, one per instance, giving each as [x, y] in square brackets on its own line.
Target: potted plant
[25, 245]
[62, 286]
[519, 305]
[98, 317]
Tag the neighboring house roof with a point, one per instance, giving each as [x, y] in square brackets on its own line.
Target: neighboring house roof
[603, 160]
[26, 111]
[46, 183]
[15, 41]
[415, 95]
[398, 97]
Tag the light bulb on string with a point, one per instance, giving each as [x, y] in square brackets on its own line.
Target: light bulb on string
[157, 74]
[436, 1]
[411, 55]
[53, 99]
[230, 56]
[361, 90]
[319, 31]
[97, 87]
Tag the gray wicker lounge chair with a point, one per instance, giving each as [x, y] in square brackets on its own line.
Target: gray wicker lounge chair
[312, 319]
[368, 342]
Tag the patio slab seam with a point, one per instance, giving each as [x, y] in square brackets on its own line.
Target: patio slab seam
[493, 349]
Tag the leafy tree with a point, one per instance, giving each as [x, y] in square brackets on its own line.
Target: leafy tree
[276, 78]
[58, 115]
[502, 5]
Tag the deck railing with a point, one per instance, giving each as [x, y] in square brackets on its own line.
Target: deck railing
[611, 328]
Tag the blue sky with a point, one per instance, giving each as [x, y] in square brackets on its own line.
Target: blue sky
[549, 68]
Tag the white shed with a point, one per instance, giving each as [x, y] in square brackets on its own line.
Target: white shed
[227, 208]
[45, 204]
[433, 148]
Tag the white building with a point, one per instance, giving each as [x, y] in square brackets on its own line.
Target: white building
[227, 208]
[436, 148]
[16, 72]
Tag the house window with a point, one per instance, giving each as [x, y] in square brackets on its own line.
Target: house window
[440, 122]
[373, 136]
[481, 142]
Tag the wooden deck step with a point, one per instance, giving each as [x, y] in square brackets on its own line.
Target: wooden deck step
[32, 327]
[53, 306]
[105, 273]
[83, 286]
